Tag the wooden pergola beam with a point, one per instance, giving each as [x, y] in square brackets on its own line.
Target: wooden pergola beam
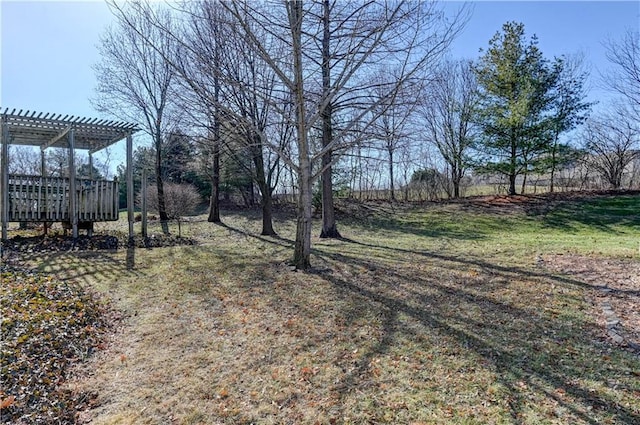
[55, 139]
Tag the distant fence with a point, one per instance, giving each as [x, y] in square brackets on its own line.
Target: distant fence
[36, 198]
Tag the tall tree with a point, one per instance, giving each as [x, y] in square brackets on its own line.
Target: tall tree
[624, 78]
[329, 226]
[448, 105]
[135, 84]
[227, 92]
[515, 101]
[408, 33]
[197, 62]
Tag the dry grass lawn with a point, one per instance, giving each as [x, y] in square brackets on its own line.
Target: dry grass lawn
[442, 314]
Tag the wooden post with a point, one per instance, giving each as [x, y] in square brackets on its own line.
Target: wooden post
[130, 184]
[90, 166]
[144, 202]
[44, 187]
[73, 194]
[4, 178]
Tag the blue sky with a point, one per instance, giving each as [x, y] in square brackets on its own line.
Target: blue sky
[48, 47]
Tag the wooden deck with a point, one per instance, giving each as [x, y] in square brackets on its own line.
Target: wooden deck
[48, 199]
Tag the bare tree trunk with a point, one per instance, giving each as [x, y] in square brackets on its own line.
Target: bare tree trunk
[302, 250]
[456, 178]
[391, 176]
[512, 170]
[329, 227]
[214, 202]
[263, 185]
[162, 209]
[214, 205]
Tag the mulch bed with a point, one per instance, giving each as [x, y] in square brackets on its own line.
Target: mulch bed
[47, 327]
[112, 241]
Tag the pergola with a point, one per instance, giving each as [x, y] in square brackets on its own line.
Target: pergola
[76, 202]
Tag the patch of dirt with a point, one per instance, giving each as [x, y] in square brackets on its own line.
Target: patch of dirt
[536, 204]
[614, 290]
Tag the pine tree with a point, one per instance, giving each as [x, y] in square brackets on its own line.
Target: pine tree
[516, 102]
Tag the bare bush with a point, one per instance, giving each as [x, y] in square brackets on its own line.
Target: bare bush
[180, 200]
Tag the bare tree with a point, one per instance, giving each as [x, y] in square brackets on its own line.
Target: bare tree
[393, 122]
[227, 92]
[207, 41]
[447, 107]
[409, 34]
[135, 84]
[286, 35]
[624, 79]
[24, 160]
[329, 226]
[612, 142]
[570, 111]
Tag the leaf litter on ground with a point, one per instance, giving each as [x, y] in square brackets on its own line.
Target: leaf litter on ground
[47, 326]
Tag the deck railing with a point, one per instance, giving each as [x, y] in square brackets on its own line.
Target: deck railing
[36, 198]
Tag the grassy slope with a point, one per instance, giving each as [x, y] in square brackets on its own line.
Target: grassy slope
[428, 316]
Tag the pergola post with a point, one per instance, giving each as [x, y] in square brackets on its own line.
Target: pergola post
[73, 193]
[130, 184]
[4, 178]
[43, 180]
[144, 202]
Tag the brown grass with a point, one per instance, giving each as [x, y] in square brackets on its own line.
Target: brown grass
[391, 326]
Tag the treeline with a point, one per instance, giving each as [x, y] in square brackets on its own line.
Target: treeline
[249, 100]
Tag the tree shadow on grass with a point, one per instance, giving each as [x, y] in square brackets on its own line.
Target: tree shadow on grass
[488, 267]
[427, 308]
[606, 214]
[535, 355]
[271, 239]
[83, 266]
[434, 228]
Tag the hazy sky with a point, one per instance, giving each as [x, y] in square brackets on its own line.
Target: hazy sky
[48, 47]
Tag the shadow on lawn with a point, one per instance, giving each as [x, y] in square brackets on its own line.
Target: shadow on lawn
[84, 266]
[606, 214]
[528, 349]
[436, 227]
[536, 355]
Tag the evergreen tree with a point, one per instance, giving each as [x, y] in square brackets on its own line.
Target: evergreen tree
[516, 102]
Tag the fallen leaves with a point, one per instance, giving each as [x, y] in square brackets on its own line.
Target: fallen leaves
[6, 402]
[54, 242]
[47, 325]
